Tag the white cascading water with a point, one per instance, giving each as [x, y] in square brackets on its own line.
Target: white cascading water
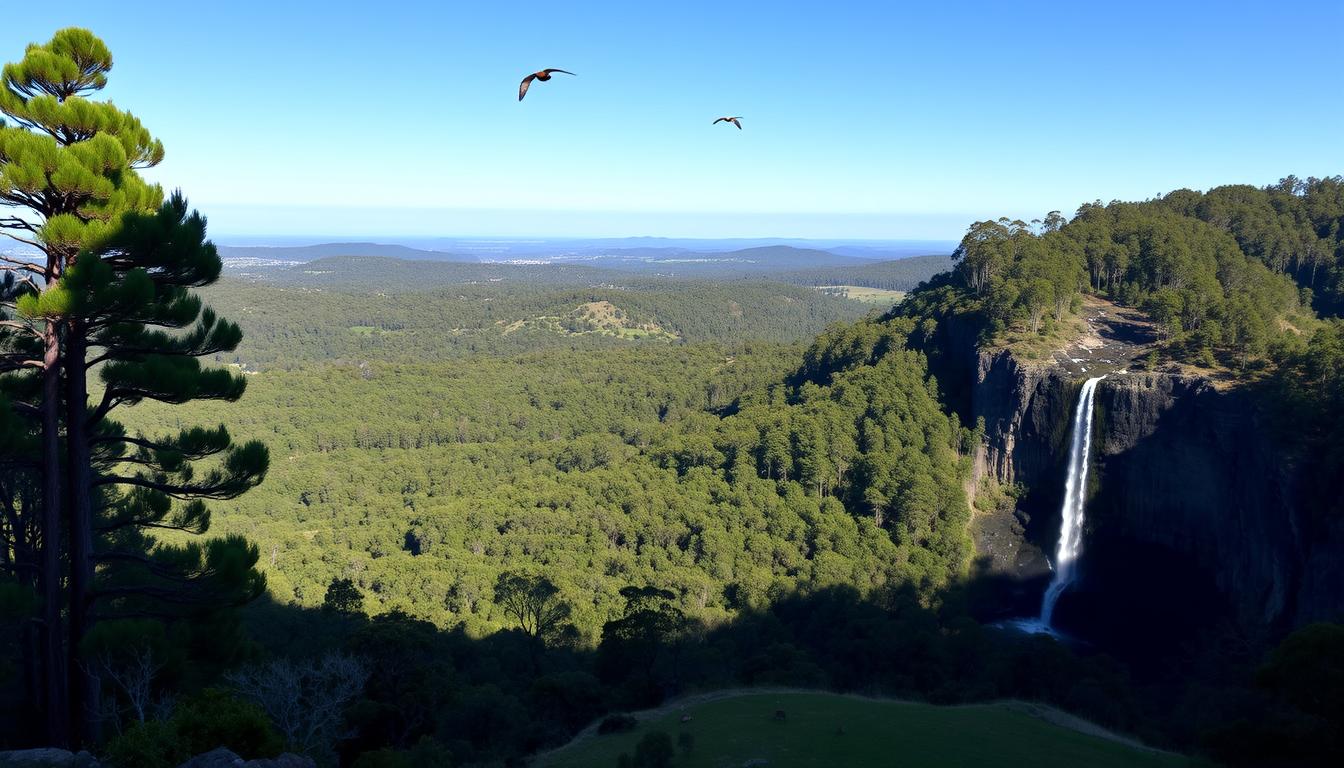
[1071, 512]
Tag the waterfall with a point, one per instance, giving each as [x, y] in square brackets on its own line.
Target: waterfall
[1075, 495]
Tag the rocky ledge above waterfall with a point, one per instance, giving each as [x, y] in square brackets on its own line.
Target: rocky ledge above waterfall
[1186, 475]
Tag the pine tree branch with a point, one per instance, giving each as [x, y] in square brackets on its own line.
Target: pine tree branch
[25, 241]
[23, 327]
[176, 597]
[20, 265]
[109, 401]
[137, 522]
[19, 364]
[222, 491]
[150, 445]
[26, 409]
[18, 222]
[155, 569]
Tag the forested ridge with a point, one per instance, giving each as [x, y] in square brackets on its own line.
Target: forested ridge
[1241, 283]
[1230, 276]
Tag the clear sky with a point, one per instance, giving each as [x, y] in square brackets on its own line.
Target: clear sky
[862, 119]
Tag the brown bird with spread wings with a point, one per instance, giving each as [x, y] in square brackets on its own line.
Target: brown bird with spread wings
[543, 76]
[733, 120]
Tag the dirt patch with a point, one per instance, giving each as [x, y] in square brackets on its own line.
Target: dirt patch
[1115, 339]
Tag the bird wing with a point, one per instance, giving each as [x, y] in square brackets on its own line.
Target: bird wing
[720, 120]
[549, 71]
[735, 121]
[523, 86]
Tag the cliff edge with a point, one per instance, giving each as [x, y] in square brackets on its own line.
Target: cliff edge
[1193, 511]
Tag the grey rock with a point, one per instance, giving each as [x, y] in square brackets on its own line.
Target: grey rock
[287, 760]
[223, 758]
[216, 758]
[46, 758]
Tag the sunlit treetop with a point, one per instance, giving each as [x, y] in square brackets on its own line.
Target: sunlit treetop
[67, 162]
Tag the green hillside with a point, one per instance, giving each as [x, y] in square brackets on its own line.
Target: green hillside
[821, 729]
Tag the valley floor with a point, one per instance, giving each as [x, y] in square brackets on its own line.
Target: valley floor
[742, 728]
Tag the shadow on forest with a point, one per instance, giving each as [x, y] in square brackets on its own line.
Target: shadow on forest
[494, 700]
[498, 698]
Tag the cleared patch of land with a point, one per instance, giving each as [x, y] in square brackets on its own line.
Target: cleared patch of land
[825, 729]
[598, 317]
[863, 293]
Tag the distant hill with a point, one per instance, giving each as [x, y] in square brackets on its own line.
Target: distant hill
[505, 248]
[303, 253]
[679, 262]
[405, 267]
[383, 273]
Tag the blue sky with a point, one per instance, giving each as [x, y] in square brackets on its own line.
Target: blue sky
[862, 119]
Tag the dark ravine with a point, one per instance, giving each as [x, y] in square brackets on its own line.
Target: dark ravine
[1192, 514]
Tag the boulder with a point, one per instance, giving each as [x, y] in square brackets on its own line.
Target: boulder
[46, 758]
[287, 760]
[223, 758]
[217, 758]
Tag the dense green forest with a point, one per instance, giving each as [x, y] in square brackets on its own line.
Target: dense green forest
[287, 326]
[603, 468]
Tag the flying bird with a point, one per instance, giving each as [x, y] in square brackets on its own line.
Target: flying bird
[543, 76]
[733, 120]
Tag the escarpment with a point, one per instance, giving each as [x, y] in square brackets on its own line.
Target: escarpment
[1194, 510]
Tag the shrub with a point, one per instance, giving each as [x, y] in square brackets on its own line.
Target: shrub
[208, 721]
[654, 750]
[215, 719]
[152, 744]
[616, 724]
[427, 753]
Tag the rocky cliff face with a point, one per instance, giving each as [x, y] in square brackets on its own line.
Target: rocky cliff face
[1193, 511]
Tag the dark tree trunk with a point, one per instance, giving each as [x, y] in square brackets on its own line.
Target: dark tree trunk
[83, 685]
[54, 681]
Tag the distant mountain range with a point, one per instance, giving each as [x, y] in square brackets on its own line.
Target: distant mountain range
[650, 256]
[386, 273]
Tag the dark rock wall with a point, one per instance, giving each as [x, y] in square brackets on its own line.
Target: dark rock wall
[1192, 512]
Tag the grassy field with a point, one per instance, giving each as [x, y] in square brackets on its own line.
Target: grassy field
[820, 729]
[864, 294]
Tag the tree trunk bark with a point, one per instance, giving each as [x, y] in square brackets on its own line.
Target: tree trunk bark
[84, 685]
[54, 680]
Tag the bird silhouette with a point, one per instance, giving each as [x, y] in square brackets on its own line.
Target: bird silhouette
[543, 76]
[733, 120]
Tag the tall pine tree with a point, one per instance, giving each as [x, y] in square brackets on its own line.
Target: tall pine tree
[67, 171]
[109, 290]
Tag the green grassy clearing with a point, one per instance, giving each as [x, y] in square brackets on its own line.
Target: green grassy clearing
[864, 294]
[821, 729]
